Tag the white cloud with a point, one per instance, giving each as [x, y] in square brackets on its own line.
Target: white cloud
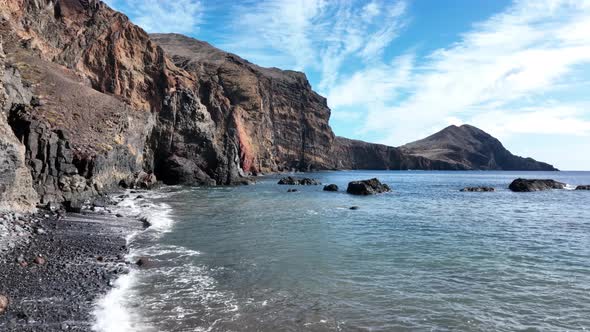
[557, 120]
[374, 85]
[515, 58]
[315, 35]
[180, 16]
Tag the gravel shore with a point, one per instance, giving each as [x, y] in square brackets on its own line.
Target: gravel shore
[53, 268]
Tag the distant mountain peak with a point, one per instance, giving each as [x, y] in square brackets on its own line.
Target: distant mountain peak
[473, 148]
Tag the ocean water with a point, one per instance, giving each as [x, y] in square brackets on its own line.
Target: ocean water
[425, 257]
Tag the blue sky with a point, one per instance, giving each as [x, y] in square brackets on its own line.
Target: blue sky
[396, 71]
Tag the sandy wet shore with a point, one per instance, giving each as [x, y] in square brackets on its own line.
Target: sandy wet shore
[53, 277]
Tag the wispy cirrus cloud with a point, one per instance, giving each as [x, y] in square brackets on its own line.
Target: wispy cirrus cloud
[180, 16]
[316, 34]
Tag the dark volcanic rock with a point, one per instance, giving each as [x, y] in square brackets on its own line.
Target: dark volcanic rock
[139, 180]
[272, 118]
[298, 181]
[143, 262]
[585, 187]
[367, 187]
[525, 185]
[331, 187]
[478, 189]
[65, 288]
[73, 206]
[468, 147]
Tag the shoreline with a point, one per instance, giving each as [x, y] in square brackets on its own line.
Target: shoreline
[71, 262]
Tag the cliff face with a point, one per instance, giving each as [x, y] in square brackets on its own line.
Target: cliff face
[105, 101]
[16, 184]
[471, 148]
[277, 120]
[354, 154]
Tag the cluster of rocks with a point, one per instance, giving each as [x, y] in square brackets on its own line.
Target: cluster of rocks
[139, 180]
[69, 259]
[528, 185]
[292, 181]
[18, 229]
[362, 187]
[478, 189]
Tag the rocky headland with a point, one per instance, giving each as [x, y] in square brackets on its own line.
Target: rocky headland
[89, 99]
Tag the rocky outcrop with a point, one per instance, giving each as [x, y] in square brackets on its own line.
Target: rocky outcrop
[367, 187]
[468, 147]
[585, 187]
[16, 185]
[478, 189]
[291, 181]
[331, 187]
[526, 185]
[354, 154]
[272, 116]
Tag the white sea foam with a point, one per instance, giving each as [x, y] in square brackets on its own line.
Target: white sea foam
[112, 312]
[118, 310]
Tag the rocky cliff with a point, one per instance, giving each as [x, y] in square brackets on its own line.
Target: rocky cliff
[354, 154]
[277, 120]
[468, 147]
[89, 99]
[16, 191]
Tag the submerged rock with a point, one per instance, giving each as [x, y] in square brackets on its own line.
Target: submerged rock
[367, 187]
[478, 189]
[143, 262]
[292, 190]
[298, 181]
[526, 185]
[354, 208]
[585, 187]
[331, 187]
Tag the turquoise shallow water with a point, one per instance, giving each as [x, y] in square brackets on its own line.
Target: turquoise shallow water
[425, 257]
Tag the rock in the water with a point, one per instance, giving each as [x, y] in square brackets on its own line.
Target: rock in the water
[331, 187]
[585, 187]
[143, 262]
[298, 182]
[146, 223]
[354, 208]
[478, 189]
[526, 185]
[292, 190]
[3, 303]
[367, 187]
